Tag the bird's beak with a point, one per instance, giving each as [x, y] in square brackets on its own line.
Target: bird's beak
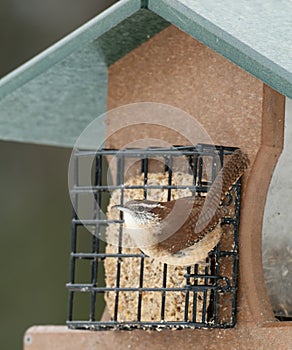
[121, 208]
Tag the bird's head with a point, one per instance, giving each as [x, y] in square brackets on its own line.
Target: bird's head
[140, 213]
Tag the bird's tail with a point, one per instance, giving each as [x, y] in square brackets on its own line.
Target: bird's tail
[227, 176]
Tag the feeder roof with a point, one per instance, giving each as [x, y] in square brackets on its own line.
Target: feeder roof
[51, 98]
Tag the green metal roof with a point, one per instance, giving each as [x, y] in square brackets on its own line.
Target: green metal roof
[51, 98]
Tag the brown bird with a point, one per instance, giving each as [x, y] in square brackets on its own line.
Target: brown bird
[183, 231]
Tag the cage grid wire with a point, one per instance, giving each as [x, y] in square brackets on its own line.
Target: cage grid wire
[208, 291]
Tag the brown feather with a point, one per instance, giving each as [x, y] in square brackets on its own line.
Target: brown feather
[186, 235]
[188, 220]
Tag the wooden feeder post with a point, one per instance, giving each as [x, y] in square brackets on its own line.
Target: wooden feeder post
[198, 60]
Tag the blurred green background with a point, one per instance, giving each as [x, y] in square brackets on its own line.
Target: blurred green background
[35, 206]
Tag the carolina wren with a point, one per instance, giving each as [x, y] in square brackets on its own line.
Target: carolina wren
[183, 231]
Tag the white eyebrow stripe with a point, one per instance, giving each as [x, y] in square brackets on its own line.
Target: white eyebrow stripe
[149, 205]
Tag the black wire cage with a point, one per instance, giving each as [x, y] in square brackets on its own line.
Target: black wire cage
[136, 291]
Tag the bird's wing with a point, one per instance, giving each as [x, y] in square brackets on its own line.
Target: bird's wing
[189, 219]
[181, 218]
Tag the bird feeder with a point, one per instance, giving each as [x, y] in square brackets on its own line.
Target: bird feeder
[225, 64]
[141, 292]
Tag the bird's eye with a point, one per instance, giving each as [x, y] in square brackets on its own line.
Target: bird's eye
[140, 208]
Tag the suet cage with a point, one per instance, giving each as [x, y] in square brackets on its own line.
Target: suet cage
[138, 291]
